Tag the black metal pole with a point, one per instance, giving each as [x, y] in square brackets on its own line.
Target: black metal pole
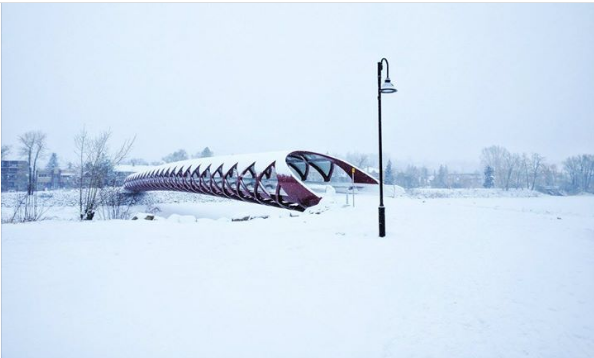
[381, 208]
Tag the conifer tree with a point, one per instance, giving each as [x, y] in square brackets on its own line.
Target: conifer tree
[53, 162]
[389, 177]
[489, 177]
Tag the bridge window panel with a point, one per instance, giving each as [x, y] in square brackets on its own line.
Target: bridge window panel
[219, 173]
[267, 172]
[302, 165]
[294, 158]
[340, 176]
[299, 169]
[325, 172]
[217, 179]
[232, 178]
[314, 176]
[195, 178]
[206, 177]
[249, 182]
[340, 181]
[324, 166]
[312, 157]
[179, 179]
[269, 182]
[188, 179]
[262, 193]
[248, 178]
[243, 190]
[298, 166]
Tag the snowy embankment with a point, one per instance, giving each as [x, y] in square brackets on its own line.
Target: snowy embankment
[458, 277]
[63, 204]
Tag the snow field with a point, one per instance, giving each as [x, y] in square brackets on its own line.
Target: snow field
[480, 277]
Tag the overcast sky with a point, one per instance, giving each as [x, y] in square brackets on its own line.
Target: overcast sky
[244, 78]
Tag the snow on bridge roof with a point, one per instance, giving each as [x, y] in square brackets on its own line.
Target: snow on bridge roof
[273, 178]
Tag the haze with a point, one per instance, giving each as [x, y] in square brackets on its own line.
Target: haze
[242, 78]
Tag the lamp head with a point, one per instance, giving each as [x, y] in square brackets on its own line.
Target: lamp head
[388, 87]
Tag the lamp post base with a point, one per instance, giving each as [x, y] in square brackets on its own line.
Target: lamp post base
[382, 221]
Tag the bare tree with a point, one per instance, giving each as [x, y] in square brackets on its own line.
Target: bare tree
[523, 172]
[551, 176]
[32, 147]
[493, 157]
[176, 156]
[360, 160]
[511, 162]
[535, 167]
[96, 164]
[80, 142]
[588, 170]
[580, 169]
[5, 151]
[27, 209]
[116, 204]
[441, 179]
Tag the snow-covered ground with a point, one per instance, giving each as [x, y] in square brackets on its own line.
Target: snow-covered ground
[63, 204]
[455, 277]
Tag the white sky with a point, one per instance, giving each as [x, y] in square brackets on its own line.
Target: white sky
[244, 78]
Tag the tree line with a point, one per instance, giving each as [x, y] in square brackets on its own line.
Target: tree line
[95, 177]
[504, 169]
[500, 168]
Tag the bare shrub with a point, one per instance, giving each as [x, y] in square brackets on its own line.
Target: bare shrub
[95, 168]
[115, 203]
[27, 208]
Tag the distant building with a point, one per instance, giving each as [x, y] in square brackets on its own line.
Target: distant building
[122, 171]
[68, 178]
[15, 175]
[48, 179]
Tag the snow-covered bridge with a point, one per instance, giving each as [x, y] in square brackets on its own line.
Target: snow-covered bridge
[288, 179]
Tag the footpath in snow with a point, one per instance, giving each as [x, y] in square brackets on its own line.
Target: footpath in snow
[455, 277]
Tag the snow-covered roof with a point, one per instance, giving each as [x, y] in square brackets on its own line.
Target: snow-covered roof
[242, 160]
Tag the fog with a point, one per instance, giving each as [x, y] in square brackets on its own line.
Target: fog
[243, 78]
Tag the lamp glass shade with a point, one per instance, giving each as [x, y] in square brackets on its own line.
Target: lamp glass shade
[388, 87]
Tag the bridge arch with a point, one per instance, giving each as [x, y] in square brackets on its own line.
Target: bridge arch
[290, 179]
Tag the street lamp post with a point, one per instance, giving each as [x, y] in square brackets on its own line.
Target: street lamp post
[387, 87]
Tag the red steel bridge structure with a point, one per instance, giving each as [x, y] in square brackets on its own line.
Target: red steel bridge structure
[282, 179]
